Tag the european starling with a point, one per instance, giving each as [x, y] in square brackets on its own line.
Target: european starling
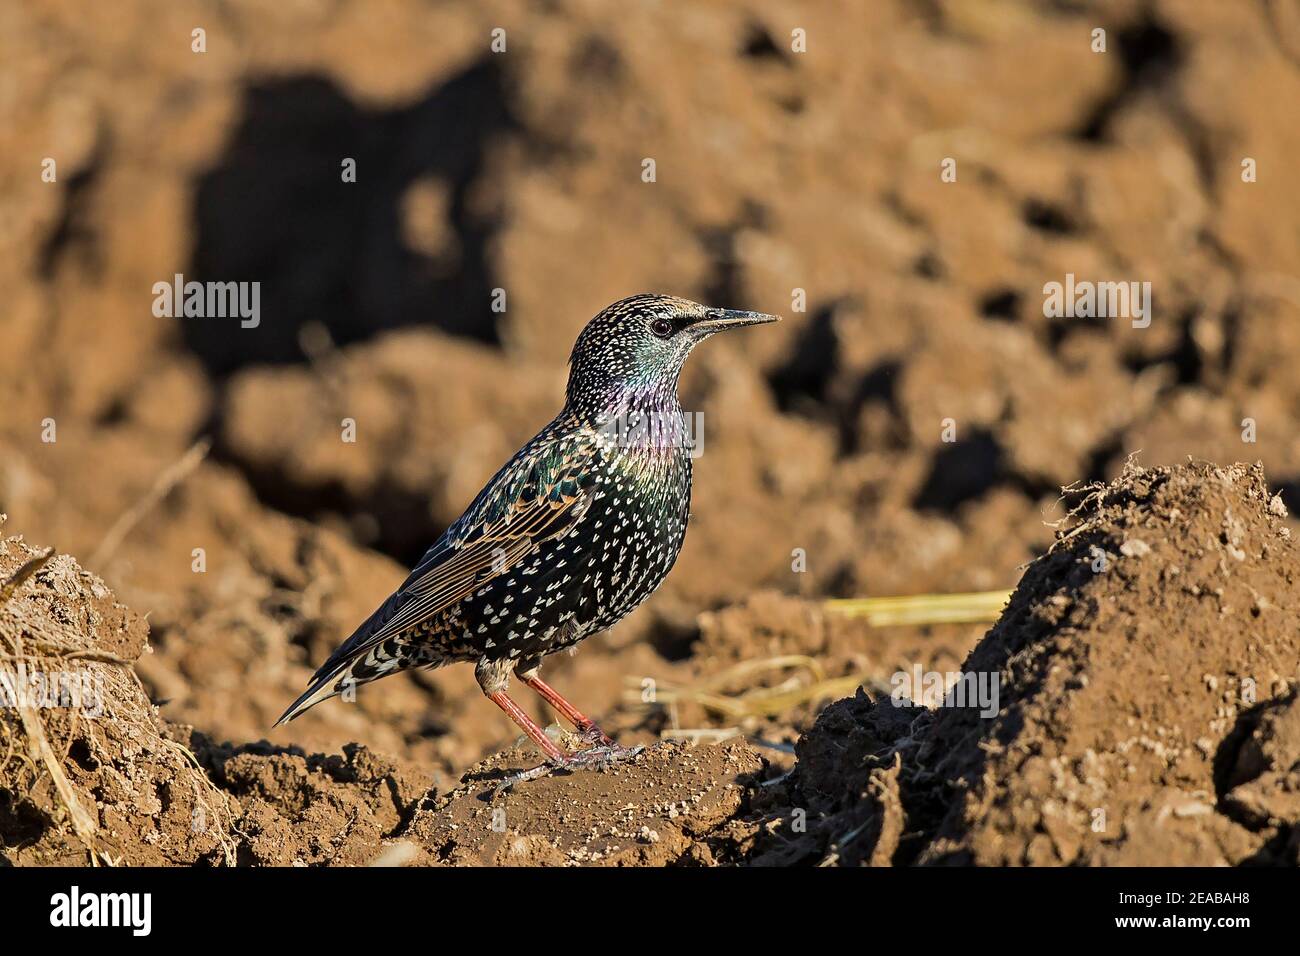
[575, 531]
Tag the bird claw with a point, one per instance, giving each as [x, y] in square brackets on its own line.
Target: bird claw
[595, 737]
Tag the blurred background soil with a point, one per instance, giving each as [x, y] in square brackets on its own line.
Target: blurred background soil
[777, 174]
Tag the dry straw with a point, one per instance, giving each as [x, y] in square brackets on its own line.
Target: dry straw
[28, 635]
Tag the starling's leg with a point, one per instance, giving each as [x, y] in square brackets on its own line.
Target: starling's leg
[492, 677]
[528, 726]
[584, 724]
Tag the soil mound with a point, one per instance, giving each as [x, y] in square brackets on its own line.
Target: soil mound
[671, 805]
[92, 771]
[1147, 671]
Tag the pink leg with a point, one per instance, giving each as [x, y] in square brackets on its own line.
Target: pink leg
[528, 726]
[584, 724]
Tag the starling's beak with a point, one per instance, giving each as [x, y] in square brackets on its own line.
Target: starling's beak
[718, 320]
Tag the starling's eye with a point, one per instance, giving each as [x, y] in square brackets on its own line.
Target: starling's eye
[662, 328]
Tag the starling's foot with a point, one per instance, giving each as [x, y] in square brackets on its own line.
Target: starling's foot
[601, 755]
[598, 756]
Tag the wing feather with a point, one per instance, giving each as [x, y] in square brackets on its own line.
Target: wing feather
[539, 496]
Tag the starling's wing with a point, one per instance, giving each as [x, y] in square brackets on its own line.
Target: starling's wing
[541, 494]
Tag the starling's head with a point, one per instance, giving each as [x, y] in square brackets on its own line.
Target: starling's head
[635, 348]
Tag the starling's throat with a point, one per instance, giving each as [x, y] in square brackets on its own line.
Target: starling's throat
[645, 418]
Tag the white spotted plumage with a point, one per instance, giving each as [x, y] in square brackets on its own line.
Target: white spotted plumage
[573, 533]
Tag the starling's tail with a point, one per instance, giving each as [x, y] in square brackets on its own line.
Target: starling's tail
[340, 674]
[350, 667]
[322, 687]
[363, 657]
[353, 663]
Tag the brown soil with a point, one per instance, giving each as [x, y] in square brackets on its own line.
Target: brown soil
[1122, 736]
[824, 435]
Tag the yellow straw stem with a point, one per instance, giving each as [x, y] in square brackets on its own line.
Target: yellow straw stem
[976, 607]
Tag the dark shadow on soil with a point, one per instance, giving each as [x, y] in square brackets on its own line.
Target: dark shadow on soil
[276, 210]
[1150, 54]
[962, 471]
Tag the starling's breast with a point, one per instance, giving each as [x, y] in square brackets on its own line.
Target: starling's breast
[636, 537]
[587, 580]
